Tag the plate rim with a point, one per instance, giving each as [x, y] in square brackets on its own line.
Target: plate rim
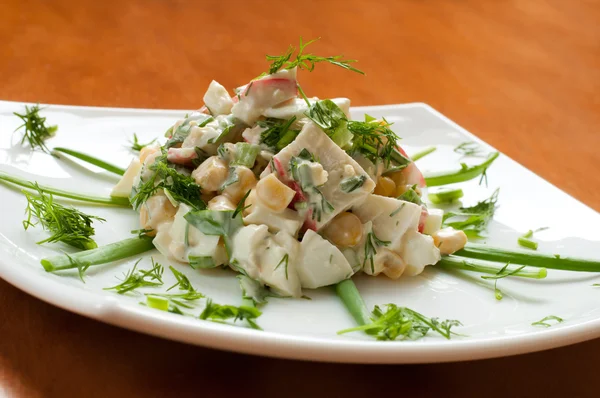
[113, 311]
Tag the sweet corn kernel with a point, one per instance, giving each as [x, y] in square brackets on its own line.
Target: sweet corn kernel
[211, 174]
[344, 230]
[385, 187]
[449, 240]
[220, 202]
[274, 194]
[246, 180]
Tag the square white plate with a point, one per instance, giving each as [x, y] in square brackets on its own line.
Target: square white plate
[306, 329]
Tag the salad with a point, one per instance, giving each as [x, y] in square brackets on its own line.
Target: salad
[291, 194]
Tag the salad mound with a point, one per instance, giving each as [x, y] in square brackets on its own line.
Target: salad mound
[286, 190]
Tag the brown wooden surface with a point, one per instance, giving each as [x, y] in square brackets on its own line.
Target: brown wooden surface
[522, 75]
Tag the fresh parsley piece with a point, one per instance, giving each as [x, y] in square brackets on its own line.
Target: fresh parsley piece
[411, 195]
[401, 323]
[351, 184]
[278, 133]
[544, 322]
[332, 120]
[221, 313]
[253, 290]
[474, 219]
[219, 223]
[306, 61]
[136, 145]
[35, 129]
[134, 278]
[66, 224]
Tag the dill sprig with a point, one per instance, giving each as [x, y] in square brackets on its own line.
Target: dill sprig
[278, 133]
[544, 322]
[474, 219]
[183, 283]
[401, 323]
[503, 273]
[221, 313]
[307, 61]
[35, 129]
[136, 145]
[179, 186]
[377, 142]
[469, 148]
[135, 278]
[371, 245]
[66, 224]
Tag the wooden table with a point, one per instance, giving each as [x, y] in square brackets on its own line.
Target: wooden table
[523, 75]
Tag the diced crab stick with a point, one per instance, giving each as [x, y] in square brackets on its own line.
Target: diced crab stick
[411, 173]
[182, 156]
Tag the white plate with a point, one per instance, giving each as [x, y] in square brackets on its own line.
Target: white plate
[304, 329]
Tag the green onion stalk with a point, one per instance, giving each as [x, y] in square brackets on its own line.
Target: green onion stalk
[354, 303]
[102, 255]
[466, 173]
[484, 267]
[111, 201]
[92, 160]
[530, 258]
[423, 153]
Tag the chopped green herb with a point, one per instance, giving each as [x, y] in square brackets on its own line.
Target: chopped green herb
[253, 290]
[180, 187]
[183, 283]
[158, 303]
[411, 195]
[35, 129]
[474, 219]
[445, 196]
[465, 173]
[398, 210]
[306, 61]
[219, 223]
[135, 278]
[278, 133]
[351, 184]
[401, 323]
[503, 273]
[202, 262]
[284, 260]
[469, 148]
[421, 154]
[136, 145]
[528, 243]
[221, 313]
[544, 322]
[332, 120]
[178, 135]
[245, 154]
[66, 224]
[371, 244]
[377, 142]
